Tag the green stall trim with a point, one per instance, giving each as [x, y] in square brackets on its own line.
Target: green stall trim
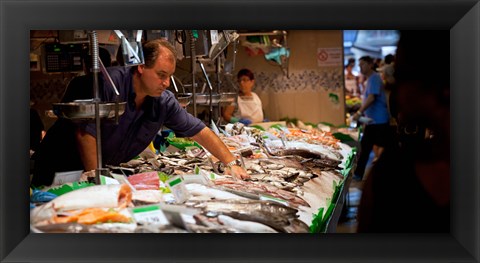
[349, 163]
[320, 221]
[343, 137]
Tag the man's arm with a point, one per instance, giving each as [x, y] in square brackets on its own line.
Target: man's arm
[227, 112]
[87, 147]
[370, 99]
[215, 146]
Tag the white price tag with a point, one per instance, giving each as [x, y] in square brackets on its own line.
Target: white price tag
[149, 215]
[107, 180]
[66, 177]
[178, 189]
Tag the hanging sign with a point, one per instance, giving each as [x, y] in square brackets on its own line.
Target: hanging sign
[329, 57]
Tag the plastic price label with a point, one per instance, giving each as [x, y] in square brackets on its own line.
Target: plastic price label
[149, 215]
[107, 180]
[178, 189]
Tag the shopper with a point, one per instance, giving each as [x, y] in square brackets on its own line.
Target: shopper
[377, 63]
[72, 146]
[374, 107]
[77, 88]
[248, 108]
[352, 87]
[387, 73]
[37, 129]
[408, 188]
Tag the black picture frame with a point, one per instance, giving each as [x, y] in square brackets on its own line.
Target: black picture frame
[19, 17]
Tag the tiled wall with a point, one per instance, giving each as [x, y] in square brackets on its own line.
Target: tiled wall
[305, 80]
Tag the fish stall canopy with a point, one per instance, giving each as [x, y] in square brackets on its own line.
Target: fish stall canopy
[300, 161]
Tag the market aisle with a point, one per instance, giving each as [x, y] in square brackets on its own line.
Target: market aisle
[348, 221]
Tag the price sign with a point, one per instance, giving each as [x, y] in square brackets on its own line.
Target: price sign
[107, 180]
[179, 191]
[149, 215]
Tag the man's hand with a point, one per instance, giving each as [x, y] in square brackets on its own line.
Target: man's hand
[217, 148]
[357, 115]
[238, 172]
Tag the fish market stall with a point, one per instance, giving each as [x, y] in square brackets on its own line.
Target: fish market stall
[297, 179]
[298, 174]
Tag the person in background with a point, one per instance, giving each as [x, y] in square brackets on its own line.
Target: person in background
[76, 88]
[70, 145]
[37, 132]
[248, 108]
[37, 129]
[389, 59]
[377, 63]
[374, 106]
[408, 188]
[352, 86]
[387, 71]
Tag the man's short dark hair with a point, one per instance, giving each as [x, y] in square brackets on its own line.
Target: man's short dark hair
[389, 59]
[367, 59]
[245, 72]
[153, 48]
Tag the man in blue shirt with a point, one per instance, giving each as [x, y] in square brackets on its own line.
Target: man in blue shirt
[374, 106]
[72, 146]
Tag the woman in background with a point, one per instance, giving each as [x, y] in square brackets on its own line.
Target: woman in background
[352, 85]
[248, 108]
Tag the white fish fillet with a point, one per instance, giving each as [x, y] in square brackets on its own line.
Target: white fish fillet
[201, 190]
[148, 196]
[245, 226]
[97, 196]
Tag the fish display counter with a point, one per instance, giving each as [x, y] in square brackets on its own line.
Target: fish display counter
[297, 183]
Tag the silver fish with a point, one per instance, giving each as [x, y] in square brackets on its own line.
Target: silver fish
[268, 213]
[245, 226]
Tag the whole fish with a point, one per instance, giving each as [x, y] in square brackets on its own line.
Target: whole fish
[297, 226]
[208, 225]
[272, 214]
[245, 226]
[202, 190]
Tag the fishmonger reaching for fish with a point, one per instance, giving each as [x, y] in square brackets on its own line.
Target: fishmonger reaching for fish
[70, 146]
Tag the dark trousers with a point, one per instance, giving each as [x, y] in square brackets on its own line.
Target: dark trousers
[374, 134]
